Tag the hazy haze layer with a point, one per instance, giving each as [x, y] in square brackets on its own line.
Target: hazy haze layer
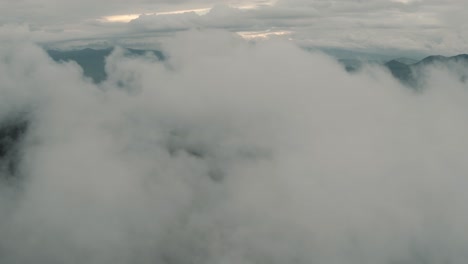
[230, 152]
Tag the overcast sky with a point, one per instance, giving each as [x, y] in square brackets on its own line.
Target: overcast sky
[432, 26]
[229, 152]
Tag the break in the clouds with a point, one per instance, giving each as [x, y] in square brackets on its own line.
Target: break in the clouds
[424, 25]
[229, 152]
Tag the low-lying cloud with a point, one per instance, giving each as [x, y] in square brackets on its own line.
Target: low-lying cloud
[230, 152]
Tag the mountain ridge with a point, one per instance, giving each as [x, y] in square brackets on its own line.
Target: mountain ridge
[406, 70]
[408, 73]
[92, 61]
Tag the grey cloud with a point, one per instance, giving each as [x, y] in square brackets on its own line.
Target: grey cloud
[231, 152]
[46, 12]
[388, 24]
[220, 16]
[345, 22]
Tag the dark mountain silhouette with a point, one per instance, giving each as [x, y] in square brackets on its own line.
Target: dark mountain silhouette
[402, 72]
[92, 61]
[12, 133]
[407, 71]
[410, 72]
[406, 60]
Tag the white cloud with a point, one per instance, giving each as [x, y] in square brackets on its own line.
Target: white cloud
[230, 152]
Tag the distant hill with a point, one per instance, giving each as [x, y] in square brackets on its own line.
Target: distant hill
[92, 61]
[12, 133]
[402, 72]
[406, 60]
[408, 71]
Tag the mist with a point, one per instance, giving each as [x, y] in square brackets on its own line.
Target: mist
[230, 152]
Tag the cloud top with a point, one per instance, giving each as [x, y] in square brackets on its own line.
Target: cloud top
[231, 152]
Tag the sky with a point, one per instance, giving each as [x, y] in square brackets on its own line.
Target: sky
[429, 26]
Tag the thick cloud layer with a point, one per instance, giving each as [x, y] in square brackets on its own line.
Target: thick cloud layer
[432, 26]
[232, 153]
[46, 12]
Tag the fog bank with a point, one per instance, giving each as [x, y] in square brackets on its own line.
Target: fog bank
[229, 152]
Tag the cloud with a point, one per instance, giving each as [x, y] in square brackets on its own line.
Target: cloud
[231, 152]
[429, 26]
[378, 25]
[47, 12]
